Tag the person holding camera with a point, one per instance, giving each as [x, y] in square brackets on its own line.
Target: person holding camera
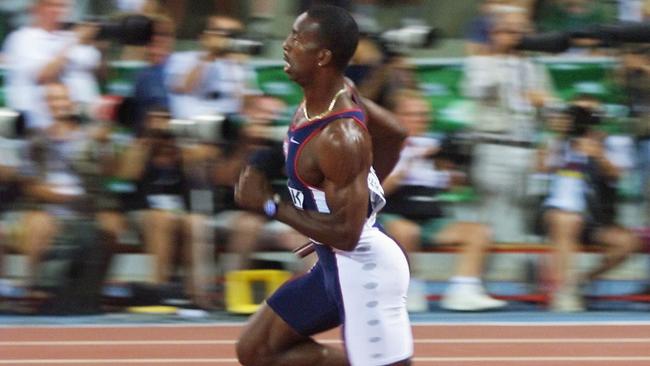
[508, 89]
[634, 76]
[415, 219]
[159, 165]
[212, 80]
[56, 188]
[247, 231]
[580, 206]
[44, 53]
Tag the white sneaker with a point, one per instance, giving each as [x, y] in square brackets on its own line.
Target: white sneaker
[469, 298]
[567, 301]
[416, 300]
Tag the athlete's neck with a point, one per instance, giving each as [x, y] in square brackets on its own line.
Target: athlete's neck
[318, 95]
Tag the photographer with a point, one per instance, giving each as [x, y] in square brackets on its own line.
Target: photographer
[508, 89]
[212, 80]
[247, 231]
[44, 53]
[414, 217]
[160, 165]
[56, 189]
[580, 207]
[634, 76]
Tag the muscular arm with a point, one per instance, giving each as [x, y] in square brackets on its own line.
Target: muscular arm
[342, 156]
[344, 159]
[388, 136]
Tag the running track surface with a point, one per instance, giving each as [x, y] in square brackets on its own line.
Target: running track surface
[622, 344]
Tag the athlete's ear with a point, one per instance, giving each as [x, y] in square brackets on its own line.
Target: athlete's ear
[324, 57]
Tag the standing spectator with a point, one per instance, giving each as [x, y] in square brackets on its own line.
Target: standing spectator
[212, 80]
[478, 29]
[580, 207]
[43, 53]
[508, 88]
[53, 180]
[415, 219]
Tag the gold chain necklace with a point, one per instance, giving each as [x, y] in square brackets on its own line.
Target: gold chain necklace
[329, 109]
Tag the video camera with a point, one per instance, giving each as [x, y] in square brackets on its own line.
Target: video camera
[135, 30]
[245, 46]
[213, 128]
[401, 40]
[582, 120]
[12, 124]
[610, 35]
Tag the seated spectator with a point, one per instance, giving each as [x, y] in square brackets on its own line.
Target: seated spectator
[247, 231]
[158, 165]
[413, 217]
[580, 206]
[53, 180]
[634, 76]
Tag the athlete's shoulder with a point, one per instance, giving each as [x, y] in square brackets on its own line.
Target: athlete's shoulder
[345, 149]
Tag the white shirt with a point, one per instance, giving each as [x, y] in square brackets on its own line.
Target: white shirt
[418, 165]
[568, 187]
[501, 87]
[220, 90]
[29, 49]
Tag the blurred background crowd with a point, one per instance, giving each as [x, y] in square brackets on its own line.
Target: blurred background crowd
[125, 124]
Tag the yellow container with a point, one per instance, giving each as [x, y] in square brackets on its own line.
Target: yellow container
[240, 296]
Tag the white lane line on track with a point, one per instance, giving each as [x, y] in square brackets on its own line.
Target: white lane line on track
[185, 342]
[187, 361]
[417, 324]
[119, 361]
[608, 359]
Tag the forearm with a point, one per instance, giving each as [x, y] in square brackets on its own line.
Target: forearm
[335, 230]
[132, 163]
[53, 69]
[392, 182]
[607, 168]
[191, 81]
[388, 137]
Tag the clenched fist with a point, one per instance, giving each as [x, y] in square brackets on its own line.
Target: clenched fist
[252, 189]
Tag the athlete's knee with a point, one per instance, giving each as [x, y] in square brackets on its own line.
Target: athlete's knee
[251, 352]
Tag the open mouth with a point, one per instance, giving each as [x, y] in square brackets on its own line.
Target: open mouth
[287, 64]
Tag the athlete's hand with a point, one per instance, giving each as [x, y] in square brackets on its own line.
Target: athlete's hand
[252, 190]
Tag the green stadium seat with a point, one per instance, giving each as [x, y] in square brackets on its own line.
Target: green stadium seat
[272, 80]
[121, 77]
[595, 78]
[441, 84]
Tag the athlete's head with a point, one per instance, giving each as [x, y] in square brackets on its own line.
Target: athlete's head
[323, 37]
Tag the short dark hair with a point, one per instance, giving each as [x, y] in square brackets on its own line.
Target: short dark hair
[338, 32]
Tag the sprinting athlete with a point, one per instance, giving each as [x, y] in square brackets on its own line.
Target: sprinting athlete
[338, 148]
